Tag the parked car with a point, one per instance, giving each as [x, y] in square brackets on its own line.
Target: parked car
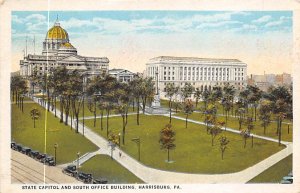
[100, 181]
[26, 150]
[19, 147]
[70, 170]
[13, 145]
[34, 154]
[290, 174]
[49, 160]
[285, 182]
[288, 178]
[41, 157]
[86, 178]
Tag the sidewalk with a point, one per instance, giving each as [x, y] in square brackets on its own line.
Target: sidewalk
[150, 175]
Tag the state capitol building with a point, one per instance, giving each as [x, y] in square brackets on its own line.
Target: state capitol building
[58, 51]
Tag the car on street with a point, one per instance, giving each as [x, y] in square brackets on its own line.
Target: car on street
[70, 170]
[13, 145]
[49, 160]
[34, 154]
[84, 177]
[100, 181]
[288, 178]
[41, 157]
[26, 150]
[285, 182]
[19, 147]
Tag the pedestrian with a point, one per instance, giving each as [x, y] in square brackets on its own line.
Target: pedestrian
[120, 154]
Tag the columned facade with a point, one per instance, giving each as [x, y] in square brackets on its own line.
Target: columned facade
[203, 73]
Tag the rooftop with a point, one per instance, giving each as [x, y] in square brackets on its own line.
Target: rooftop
[191, 59]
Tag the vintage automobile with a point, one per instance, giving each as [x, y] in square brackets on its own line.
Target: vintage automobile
[49, 160]
[41, 157]
[34, 154]
[70, 170]
[26, 150]
[85, 178]
[18, 147]
[13, 145]
[100, 181]
[288, 178]
[285, 182]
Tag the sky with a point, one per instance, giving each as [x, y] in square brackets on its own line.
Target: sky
[261, 39]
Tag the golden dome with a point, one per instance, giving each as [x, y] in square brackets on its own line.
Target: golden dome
[67, 45]
[57, 32]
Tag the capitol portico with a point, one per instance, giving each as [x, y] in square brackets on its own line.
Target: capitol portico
[58, 51]
[203, 73]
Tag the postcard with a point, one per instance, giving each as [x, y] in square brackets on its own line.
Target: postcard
[149, 96]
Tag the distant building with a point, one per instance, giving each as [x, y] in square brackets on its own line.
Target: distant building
[267, 80]
[122, 75]
[58, 51]
[203, 73]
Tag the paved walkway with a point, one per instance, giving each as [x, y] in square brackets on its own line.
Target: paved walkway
[150, 175]
[104, 116]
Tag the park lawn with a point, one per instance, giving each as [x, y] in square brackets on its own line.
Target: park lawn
[258, 129]
[275, 173]
[69, 143]
[102, 166]
[194, 152]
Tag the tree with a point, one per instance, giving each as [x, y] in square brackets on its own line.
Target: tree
[226, 103]
[167, 138]
[197, 95]
[245, 133]
[254, 97]
[147, 91]
[214, 130]
[187, 91]
[135, 84]
[188, 108]
[170, 90]
[229, 92]
[280, 98]
[34, 114]
[122, 109]
[113, 142]
[265, 113]
[241, 116]
[92, 106]
[223, 144]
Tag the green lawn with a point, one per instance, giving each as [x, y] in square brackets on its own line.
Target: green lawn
[275, 173]
[258, 129]
[193, 153]
[102, 166]
[69, 143]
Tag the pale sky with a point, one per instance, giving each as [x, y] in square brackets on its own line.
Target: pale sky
[263, 40]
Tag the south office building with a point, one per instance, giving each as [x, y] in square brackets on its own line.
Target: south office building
[203, 73]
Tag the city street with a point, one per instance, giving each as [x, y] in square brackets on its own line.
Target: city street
[26, 170]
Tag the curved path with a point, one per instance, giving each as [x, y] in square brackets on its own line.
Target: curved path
[151, 175]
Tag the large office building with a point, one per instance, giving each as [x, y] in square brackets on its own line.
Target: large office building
[58, 51]
[203, 73]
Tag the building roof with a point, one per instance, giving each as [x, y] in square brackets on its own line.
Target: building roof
[192, 59]
[57, 32]
[117, 71]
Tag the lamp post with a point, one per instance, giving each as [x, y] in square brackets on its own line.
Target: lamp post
[97, 97]
[120, 139]
[138, 142]
[156, 75]
[55, 147]
[78, 153]
[252, 140]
